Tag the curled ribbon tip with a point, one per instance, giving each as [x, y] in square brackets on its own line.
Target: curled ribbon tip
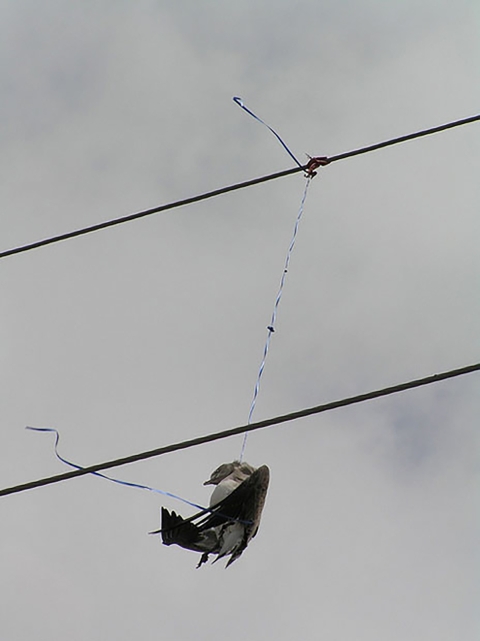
[241, 104]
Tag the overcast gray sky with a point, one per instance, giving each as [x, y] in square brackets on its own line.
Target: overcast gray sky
[152, 332]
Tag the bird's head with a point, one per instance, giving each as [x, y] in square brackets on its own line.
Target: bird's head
[228, 469]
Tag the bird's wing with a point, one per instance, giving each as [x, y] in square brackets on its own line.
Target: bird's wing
[244, 504]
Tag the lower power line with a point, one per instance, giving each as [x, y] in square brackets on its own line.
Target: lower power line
[183, 445]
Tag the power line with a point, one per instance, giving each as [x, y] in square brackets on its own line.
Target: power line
[183, 445]
[395, 141]
[147, 212]
[235, 187]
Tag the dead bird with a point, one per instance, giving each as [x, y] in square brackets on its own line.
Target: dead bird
[233, 520]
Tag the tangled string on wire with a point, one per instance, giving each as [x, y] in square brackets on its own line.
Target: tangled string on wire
[271, 329]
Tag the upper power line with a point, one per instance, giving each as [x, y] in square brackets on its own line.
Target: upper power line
[200, 440]
[235, 187]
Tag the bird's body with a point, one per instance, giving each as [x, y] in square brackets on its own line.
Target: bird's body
[233, 520]
[227, 478]
[222, 490]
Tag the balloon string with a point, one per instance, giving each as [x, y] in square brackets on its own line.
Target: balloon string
[271, 327]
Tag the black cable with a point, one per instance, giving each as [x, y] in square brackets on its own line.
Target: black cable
[395, 141]
[183, 445]
[224, 190]
[146, 212]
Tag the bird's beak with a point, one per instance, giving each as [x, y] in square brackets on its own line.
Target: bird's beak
[209, 482]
